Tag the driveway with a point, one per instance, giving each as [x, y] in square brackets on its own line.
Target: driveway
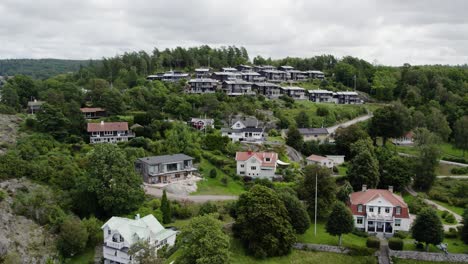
[193, 198]
[440, 161]
[332, 129]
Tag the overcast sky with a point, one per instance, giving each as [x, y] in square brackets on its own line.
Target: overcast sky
[385, 32]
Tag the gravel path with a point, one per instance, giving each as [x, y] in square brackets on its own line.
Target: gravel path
[194, 198]
[332, 129]
[441, 161]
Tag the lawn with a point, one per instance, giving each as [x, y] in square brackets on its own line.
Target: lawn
[454, 245]
[455, 209]
[83, 258]
[342, 170]
[450, 150]
[279, 139]
[214, 186]
[445, 169]
[324, 238]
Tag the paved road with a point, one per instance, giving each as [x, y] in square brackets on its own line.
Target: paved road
[441, 161]
[194, 198]
[458, 217]
[332, 129]
[383, 253]
[453, 176]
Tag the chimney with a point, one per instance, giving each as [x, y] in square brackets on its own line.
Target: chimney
[249, 152]
[137, 217]
[102, 123]
[364, 187]
[390, 188]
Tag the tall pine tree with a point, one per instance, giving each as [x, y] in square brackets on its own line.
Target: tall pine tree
[166, 209]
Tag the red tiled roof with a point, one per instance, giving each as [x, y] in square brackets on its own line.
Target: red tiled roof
[316, 158]
[111, 126]
[364, 197]
[91, 109]
[410, 135]
[243, 156]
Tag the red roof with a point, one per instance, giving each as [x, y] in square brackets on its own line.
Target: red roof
[364, 197]
[111, 126]
[316, 158]
[261, 156]
[91, 109]
[410, 135]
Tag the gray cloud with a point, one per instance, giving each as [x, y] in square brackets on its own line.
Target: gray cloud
[390, 32]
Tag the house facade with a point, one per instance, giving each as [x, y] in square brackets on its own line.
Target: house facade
[405, 140]
[251, 76]
[379, 211]
[347, 98]
[256, 164]
[244, 129]
[274, 75]
[120, 234]
[297, 93]
[93, 112]
[108, 132]
[321, 161]
[170, 76]
[316, 134]
[315, 75]
[321, 96]
[202, 73]
[34, 106]
[237, 87]
[225, 76]
[165, 169]
[202, 85]
[270, 90]
[201, 123]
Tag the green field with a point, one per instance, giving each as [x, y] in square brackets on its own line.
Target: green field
[454, 245]
[455, 209]
[83, 258]
[324, 238]
[446, 149]
[215, 186]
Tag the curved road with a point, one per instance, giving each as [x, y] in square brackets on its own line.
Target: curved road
[332, 129]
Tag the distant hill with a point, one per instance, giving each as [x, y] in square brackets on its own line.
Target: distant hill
[39, 68]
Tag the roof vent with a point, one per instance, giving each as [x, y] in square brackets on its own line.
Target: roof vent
[102, 122]
[390, 188]
[364, 187]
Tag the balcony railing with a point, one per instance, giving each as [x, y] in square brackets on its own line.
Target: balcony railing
[185, 169]
[115, 245]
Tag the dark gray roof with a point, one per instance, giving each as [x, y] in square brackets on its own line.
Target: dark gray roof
[266, 84]
[247, 121]
[165, 159]
[247, 129]
[237, 81]
[313, 131]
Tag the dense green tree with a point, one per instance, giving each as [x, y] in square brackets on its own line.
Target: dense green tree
[461, 133]
[72, 237]
[427, 160]
[464, 230]
[166, 209]
[25, 87]
[143, 252]
[52, 120]
[203, 242]
[344, 191]
[112, 181]
[344, 137]
[302, 120]
[272, 233]
[340, 222]
[10, 97]
[390, 121]
[384, 84]
[364, 167]
[216, 142]
[427, 228]
[208, 208]
[294, 138]
[325, 194]
[93, 227]
[396, 172]
[437, 123]
[300, 220]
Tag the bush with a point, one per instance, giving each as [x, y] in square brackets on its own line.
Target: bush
[2, 195]
[4, 109]
[213, 173]
[395, 243]
[359, 233]
[360, 251]
[31, 123]
[373, 242]
[459, 170]
[451, 234]
[224, 181]
[273, 133]
[322, 111]
[449, 218]
[208, 208]
[453, 159]
[401, 234]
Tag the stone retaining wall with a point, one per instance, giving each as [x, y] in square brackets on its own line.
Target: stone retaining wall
[429, 256]
[319, 247]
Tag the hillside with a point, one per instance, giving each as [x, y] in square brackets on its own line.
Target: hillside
[39, 68]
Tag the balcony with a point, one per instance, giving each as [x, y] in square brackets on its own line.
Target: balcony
[115, 245]
[185, 169]
[379, 217]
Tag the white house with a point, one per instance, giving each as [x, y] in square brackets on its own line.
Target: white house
[379, 211]
[256, 164]
[121, 233]
[244, 129]
[337, 159]
[406, 140]
[110, 132]
[321, 161]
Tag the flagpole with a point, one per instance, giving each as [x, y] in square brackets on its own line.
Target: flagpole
[315, 215]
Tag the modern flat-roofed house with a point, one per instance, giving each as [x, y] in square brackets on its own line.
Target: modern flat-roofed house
[252, 76]
[269, 90]
[226, 76]
[108, 132]
[317, 134]
[120, 234]
[237, 87]
[379, 211]
[228, 69]
[321, 96]
[34, 106]
[93, 112]
[296, 75]
[202, 73]
[244, 68]
[297, 93]
[165, 168]
[347, 98]
[259, 68]
[244, 129]
[320, 160]
[256, 164]
[274, 75]
[202, 85]
[405, 140]
[285, 68]
[201, 123]
[315, 75]
[170, 76]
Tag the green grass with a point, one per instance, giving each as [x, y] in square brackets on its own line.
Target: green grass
[84, 258]
[238, 256]
[342, 170]
[439, 213]
[277, 139]
[454, 245]
[455, 209]
[324, 238]
[445, 169]
[213, 186]
[412, 261]
[450, 150]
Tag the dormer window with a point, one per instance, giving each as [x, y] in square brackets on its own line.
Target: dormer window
[398, 210]
[108, 231]
[359, 208]
[371, 209]
[387, 210]
[267, 159]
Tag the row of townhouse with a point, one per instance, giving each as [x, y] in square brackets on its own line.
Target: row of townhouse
[248, 73]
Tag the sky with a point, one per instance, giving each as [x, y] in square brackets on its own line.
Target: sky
[385, 32]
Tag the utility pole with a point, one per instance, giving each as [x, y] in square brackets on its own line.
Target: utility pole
[354, 82]
[315, 214]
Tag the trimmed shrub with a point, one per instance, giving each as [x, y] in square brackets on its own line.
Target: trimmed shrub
[449, 218]
[224, 181]
[359, 233]
[452, 233]
[395, 243]
[361, 251]
[213, 173]
[459, 170]
[373, 242]
[401, 234]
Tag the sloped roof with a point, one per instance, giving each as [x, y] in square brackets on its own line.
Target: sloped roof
[316, 158]
[367, 196]
[35, 102]
[165, 158]
[243, 156]
[313, 131]
[91, 109]
[110, 126]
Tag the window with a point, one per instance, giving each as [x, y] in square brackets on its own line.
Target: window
[359, 220]
[108, 231]
[397, 222]
[398, 210]
[371, 209]
[242, 172]
[242, 166]
[171, 167]
[387, 210]
[253, 168]
[359, 208]
[267, 159]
